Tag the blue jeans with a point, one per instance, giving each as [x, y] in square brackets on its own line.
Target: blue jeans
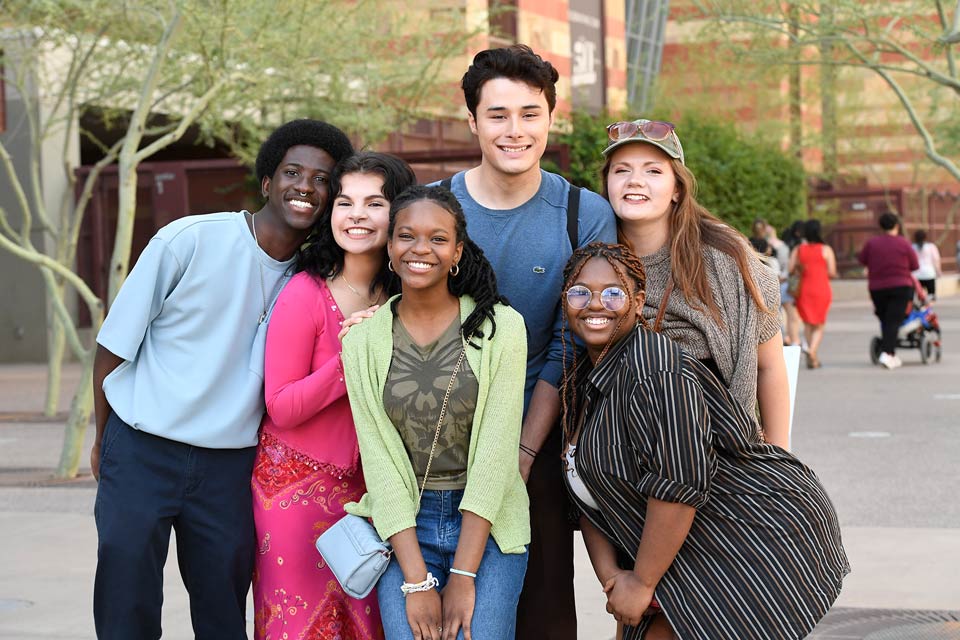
[498, 583]
[149, 485]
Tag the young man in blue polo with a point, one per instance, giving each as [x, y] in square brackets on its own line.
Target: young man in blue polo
[178, 388]
[528, 221]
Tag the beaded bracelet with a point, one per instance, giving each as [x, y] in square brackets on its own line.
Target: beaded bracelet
[416, 587]
[460, 572]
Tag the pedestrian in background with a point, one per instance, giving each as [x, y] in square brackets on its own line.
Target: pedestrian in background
[928, 257]
[792, 238]
[890, 263]
[781, 253]
[815, 263]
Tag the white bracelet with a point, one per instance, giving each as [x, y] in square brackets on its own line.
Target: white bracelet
[416, 587]
[460, 572]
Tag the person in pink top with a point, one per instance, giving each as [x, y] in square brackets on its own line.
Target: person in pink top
[307, 465]
[889, 260]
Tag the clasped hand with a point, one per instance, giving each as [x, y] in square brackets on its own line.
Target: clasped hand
[628, 598]
[459, 598]
[454, 605]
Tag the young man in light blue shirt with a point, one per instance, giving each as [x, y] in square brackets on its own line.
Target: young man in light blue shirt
[528, 221]
[178, 391]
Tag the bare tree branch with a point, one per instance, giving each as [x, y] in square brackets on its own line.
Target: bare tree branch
[928, 143]
[189, 119]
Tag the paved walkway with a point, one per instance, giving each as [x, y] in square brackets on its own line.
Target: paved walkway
[885, 444]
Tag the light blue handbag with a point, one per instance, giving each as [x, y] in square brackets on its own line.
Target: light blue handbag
[355, 554]
[352, 548]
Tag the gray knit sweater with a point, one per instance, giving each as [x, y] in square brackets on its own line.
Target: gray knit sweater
[734, 345]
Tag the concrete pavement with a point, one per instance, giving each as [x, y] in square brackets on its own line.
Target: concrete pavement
[885, 444]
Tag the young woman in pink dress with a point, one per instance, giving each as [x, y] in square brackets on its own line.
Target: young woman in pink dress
[307, 464]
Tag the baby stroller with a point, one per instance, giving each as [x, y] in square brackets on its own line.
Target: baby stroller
[920, 330]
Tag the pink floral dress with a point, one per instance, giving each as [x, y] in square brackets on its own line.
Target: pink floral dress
[307, 468]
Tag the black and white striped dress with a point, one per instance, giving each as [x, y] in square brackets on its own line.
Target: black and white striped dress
[763, 558]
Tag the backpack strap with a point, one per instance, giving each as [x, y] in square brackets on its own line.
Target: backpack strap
[573, 216]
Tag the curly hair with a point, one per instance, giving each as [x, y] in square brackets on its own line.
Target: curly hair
[312, 133]
[321, 256]
[629, 269]
[476, 277]
[516, 62]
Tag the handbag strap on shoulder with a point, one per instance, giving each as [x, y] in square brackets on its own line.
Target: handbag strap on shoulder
[443, 413]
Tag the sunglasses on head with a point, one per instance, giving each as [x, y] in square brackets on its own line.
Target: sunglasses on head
[612, 298]
[655, 130]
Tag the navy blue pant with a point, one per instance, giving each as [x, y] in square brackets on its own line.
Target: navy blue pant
[148, 485]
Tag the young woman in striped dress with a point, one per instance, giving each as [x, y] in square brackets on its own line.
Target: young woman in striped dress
[696, 527]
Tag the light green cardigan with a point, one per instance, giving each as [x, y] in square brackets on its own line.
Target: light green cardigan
[495, 491]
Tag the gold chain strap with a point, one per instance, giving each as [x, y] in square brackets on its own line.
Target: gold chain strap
[436, 436]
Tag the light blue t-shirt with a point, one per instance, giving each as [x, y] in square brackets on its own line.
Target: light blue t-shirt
[528, 247]
[187, 324]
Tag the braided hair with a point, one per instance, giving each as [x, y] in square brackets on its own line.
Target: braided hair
[321, 256]
[476, 277]
[629, 269]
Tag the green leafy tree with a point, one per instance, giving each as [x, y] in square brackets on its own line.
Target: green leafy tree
[233, 70]
[742, 177]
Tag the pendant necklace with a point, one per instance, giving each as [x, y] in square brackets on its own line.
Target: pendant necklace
[263, 287]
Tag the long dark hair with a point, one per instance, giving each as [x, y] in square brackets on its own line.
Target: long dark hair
[812, 231]
[476, 277]
[321, 256]
[629, 268]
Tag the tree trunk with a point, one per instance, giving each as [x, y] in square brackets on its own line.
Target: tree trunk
[828, 97]
[795, 78]
[56, 346]
[126, 212]
[80, 410]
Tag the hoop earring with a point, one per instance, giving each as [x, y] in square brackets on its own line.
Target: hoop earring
[455, 270]
[390, 266]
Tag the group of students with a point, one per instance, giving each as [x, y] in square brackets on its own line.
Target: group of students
[609, 362]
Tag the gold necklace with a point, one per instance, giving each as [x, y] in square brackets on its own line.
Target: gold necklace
[370, 302]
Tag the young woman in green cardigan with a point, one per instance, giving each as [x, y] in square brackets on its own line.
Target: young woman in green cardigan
[460, 548]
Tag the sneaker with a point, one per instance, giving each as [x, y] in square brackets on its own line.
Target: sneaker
[889, 361]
